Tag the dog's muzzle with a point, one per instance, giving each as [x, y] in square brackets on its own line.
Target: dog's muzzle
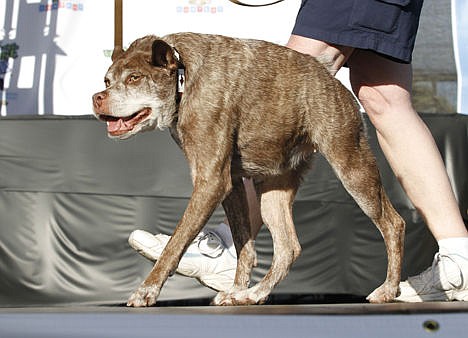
[117, 125]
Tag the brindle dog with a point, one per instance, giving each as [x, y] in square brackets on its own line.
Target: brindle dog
[249, 109]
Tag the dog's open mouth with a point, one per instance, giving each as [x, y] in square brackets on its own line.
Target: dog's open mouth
[120, 125]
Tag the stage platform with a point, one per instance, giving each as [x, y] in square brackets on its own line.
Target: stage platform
[433, 319]
[70, 197]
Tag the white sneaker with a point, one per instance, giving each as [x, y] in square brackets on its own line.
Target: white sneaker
[445, 280]
[208, 259]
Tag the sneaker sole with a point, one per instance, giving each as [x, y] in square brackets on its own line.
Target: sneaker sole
[216, 282]
[462, 296]
[435, 297]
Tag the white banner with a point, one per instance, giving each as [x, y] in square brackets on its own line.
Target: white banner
[54, 53]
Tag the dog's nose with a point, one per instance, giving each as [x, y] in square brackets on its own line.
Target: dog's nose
[98, 99]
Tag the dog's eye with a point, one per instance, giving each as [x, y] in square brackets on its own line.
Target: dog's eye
[133, 78]
[107, 83]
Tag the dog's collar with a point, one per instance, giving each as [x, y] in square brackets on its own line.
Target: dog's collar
[180, 73]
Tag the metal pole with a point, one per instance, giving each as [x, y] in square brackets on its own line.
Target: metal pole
[118, 44]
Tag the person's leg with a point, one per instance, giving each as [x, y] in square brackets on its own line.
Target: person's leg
[210, 258]
[333, 57]
[255, 216]
[384, 89]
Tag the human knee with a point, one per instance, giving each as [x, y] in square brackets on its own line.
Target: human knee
[373, 102]
[382, 86]
[384, 101]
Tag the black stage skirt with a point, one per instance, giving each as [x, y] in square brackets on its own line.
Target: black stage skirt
[387, 27]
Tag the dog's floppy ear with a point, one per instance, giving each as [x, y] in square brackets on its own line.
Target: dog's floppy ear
[163, 55]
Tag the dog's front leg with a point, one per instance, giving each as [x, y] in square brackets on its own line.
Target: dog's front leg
[209, 191]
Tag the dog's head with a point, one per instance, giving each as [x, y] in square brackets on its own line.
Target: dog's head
[140, 89]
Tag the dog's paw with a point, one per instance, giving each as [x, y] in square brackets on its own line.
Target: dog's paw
[239, 297]
[144, 296]
[383, 294]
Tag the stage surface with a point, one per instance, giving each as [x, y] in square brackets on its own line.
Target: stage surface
[328, 320]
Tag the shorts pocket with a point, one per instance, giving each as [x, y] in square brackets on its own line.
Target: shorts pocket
[378, 15]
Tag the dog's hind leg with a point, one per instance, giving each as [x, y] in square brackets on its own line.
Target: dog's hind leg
[237, 211]
[277, 196]
[348, 152]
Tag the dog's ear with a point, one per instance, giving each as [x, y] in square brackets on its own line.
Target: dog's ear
[116, 53]
[163, 55]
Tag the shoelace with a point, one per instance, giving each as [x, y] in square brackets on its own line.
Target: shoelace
[214, 252]
[437, 258]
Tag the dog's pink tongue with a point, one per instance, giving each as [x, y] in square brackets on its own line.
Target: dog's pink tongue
[113, 126]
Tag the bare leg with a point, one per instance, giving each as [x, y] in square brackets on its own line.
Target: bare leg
[332, 56]
[383, 87]
[254, 207]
